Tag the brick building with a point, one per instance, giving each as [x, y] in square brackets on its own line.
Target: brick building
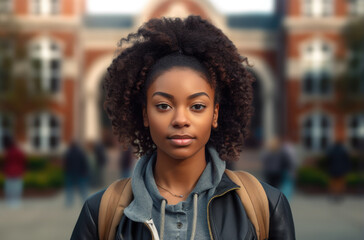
[294, 53]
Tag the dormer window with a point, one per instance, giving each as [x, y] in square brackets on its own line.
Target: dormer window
[45, 7]
[317, 8]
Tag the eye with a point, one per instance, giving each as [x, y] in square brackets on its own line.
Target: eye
[163, 106]
[198, 107]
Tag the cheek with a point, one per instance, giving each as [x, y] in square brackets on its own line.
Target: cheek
[157, 127]
[204, 128]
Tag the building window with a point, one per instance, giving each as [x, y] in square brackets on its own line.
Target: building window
[356, 72]
[356, 7]
[5, 6]
[44, 132]
[317, 68]
[45, 58]
[45, 7]
[316, 132]
[356, 131]
[6, 129]
[318, 8]
[6, 64]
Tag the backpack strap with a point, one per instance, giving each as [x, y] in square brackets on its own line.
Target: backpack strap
[254, 200]
[113, 202]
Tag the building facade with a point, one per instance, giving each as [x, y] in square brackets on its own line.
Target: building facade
[295, 54]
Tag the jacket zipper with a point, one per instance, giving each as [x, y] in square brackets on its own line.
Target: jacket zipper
[208, 213]
[153, 230]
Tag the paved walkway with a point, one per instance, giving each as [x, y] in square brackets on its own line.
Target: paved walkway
[316, 217]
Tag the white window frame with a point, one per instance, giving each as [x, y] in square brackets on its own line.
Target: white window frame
[359, 132]
[45, 55]
[316, 132]
[317, 8]
[45, 7]
[44, 131]
[317, 63]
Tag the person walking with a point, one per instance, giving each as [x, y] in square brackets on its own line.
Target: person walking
[76, 173]
[14, 169]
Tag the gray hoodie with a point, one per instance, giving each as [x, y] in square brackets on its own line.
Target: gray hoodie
[174, 221]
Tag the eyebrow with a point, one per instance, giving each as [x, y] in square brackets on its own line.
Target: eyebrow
[169, 96]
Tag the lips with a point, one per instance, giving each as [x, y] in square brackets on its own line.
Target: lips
[181, 140]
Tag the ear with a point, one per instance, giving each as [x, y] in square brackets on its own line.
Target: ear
[216, 116]
[145, 117]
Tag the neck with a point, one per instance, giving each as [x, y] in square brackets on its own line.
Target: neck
[179, 175]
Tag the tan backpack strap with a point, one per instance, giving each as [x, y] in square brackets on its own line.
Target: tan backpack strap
[254, 199]
[116, 197]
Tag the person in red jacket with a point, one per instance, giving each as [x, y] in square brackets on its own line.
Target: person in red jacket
[14, 168]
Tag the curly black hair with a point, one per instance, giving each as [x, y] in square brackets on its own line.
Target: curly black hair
[125, 80]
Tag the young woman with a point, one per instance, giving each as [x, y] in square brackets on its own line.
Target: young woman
[181, 95]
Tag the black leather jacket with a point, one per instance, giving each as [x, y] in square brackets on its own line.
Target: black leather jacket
[226, 215]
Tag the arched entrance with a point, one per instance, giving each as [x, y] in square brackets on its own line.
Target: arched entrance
[95, 120]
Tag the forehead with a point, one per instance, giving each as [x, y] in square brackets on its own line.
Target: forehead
[181, 80]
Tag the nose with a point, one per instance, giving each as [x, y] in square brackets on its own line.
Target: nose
[180, 118]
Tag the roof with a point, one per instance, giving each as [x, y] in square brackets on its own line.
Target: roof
[108, 21]
[254, 21]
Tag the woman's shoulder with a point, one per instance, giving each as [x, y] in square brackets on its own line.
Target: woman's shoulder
[273, 194]
[87, 222]
[92, 204]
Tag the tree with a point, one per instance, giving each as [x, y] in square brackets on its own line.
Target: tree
[350, 84]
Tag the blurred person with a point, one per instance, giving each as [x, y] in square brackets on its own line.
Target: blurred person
[181, 94]
[92, 162]
[14, 169]
[275, 163]
[77, 169]
[101, 160]
[126, 162]
[338, 166]
[289, 175]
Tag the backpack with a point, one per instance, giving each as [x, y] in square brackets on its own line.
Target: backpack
[251, 193]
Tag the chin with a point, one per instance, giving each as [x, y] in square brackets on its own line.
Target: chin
[181, 153]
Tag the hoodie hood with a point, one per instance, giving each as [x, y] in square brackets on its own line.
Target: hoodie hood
[140, 209]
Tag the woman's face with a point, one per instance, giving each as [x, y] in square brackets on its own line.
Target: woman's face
[180, 112]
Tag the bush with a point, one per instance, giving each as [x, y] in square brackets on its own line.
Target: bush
[355, 179]
[36, 163]
[310, 176]
[2, 180]
[50, 177]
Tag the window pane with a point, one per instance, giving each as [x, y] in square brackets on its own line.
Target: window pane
[53, 142]
[36, 122]
[354, 142]
[308, 83]
[324, 83]
[54, 84]
[354, 122]
[308, 123]
[307, 142]
[324, 122]
[323, 143]
[36, 142]
[53, 123]
[55, 64]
